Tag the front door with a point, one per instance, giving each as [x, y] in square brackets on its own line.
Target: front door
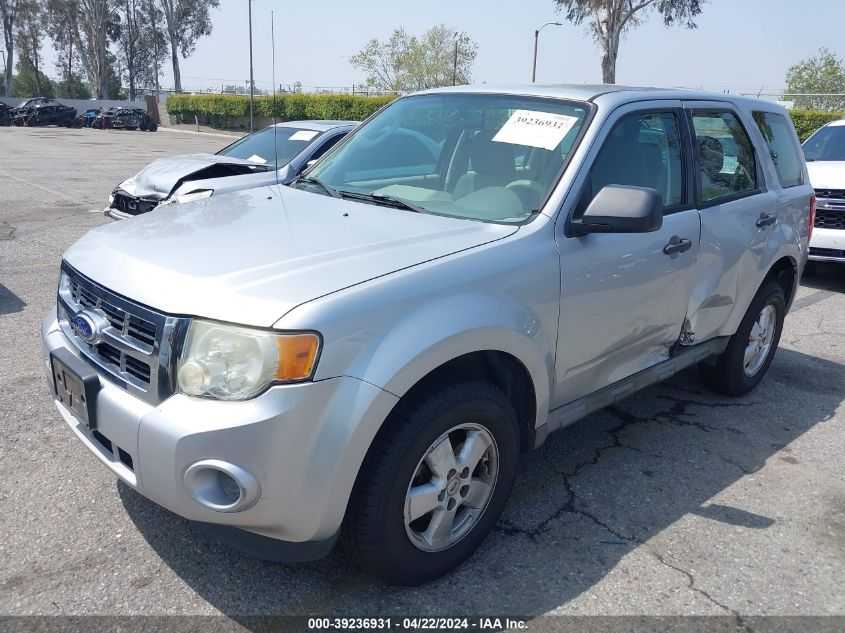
[624, 297]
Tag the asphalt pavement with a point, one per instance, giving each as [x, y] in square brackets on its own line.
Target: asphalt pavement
[676, 501]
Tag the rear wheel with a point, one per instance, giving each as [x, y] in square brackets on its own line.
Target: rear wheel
[434, 483]
[750, 350]
[152, 126]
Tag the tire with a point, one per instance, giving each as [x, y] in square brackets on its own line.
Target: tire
[730, 375]
[152, 126]
[143, 126]
[376, 531]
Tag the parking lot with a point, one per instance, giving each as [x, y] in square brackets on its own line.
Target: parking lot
[674, 502]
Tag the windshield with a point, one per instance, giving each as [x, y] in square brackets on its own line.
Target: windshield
[258, 146]
[826, 144]
[477, 156]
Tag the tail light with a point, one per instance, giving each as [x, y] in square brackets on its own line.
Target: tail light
[812, 218]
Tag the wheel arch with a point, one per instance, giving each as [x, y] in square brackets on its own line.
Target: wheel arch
[784, 271]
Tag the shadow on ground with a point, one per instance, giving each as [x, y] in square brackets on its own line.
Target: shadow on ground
[824, 276]
[595, 492]
[9, 301]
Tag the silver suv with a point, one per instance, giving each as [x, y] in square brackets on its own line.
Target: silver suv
[369, 351]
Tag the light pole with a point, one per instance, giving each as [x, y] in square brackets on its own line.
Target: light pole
[251, 80]
[537, 37]
[455, 65]
[3, 53]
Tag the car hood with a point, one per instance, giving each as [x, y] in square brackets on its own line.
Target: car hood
[251, 256]
[827, 174]
[159, 178]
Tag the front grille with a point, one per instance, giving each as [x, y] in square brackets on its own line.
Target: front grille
[831, 194]
[132, 205]
[136, 350]
[130, 325]
[827, 252]
[830, 218]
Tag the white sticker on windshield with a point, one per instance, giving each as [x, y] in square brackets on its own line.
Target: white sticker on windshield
[303, 135]
[255, 158]
[535, 129]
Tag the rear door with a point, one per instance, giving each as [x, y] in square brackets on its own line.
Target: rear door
[624, 296]
[738, 214]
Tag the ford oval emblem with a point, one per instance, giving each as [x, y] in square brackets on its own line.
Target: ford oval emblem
[85, 326]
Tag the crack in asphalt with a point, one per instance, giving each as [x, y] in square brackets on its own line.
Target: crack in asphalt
[672, 415]
[740, 622]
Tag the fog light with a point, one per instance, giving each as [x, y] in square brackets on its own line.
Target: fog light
[221, 486]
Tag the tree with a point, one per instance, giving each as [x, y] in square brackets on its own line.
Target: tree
[187, 21]
[96, 21]
[406, 62]
[608, 20]
[30, 30]
[8, 13]
[823, 74]
[63, 29]
[30, 82]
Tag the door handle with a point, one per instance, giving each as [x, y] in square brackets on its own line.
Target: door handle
[766, 220]
[677, 245]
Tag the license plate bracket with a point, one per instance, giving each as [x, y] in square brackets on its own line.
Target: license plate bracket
[76, 386]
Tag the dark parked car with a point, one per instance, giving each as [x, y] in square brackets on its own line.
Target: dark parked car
[120, 118]
[5, 114]
[43, 111]
[86, 119]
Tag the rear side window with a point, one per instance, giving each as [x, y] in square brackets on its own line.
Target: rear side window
[777, 131]
[726, 165]
[644, 150]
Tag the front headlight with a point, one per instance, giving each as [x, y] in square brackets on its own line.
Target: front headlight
[189, 197]
[237, 363]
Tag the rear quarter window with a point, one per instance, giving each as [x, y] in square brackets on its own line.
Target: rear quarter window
[780, 139]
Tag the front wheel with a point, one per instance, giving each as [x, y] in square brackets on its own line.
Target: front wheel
[434, 483]
[750, 350]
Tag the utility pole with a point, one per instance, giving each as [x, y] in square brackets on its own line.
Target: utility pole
[251, 80]
[455, 65]
[537, 37]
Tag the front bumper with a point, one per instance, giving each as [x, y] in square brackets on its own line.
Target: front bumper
[827, 245]
[302, 443]
[116, 214]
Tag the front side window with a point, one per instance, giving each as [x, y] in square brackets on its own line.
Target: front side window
[727, 168]
[643, 150]
[777, 130]
[826, 144]
[269, 147]
[488, 157]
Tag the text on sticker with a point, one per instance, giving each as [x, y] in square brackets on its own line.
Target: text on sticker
[535, 129]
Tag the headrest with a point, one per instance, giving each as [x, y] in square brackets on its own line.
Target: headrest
[492, 158]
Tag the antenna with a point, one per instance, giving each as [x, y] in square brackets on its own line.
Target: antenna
[273, 72]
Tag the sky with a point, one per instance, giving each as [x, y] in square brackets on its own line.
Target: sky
[740, 45]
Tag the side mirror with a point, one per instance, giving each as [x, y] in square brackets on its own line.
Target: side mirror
[621, 209]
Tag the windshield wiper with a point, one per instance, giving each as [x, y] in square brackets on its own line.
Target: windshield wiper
[334, 193]
[384, 199]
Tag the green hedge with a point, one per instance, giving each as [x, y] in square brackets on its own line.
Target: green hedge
[218, 109]
[808, 121]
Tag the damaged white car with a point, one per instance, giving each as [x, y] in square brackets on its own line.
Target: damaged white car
[275, 154]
